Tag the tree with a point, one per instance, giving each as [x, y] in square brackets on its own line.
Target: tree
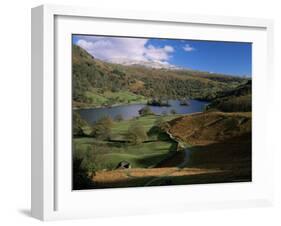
[136, 133]
[145, 111]
[102, 128]
[78, 124]
[158, 102]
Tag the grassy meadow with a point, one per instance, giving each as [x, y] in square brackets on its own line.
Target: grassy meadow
[109, 153]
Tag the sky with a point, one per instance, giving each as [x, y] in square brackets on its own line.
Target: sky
[232, 58]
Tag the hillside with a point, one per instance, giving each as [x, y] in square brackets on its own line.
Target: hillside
[234, 100]
[210, 127]
[97, 83]
[219, 145]
[216, 141]
[168, 148]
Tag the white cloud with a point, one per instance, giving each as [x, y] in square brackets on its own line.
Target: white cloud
[188, 48]
[157, 54]
[110, 48]
[169, 49]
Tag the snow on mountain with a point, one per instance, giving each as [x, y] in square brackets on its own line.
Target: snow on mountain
[148, 64]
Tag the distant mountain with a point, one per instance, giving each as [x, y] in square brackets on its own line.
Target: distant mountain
[100, 83]
[147, 64]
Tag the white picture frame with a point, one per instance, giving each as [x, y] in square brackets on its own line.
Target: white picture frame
[49, 198]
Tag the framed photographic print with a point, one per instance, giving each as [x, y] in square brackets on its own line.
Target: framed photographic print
[138, 113]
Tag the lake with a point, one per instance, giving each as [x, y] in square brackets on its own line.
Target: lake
[130, 111]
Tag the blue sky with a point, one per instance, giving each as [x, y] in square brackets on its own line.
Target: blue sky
[213, 56]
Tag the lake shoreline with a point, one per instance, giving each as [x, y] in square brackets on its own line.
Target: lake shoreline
[132, 110]
[134, 103]
[111, 106]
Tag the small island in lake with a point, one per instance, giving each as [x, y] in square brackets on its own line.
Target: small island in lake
[139, 119]
[184, 102]
[158, 102]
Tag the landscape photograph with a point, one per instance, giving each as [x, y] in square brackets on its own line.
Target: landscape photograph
[160, 112]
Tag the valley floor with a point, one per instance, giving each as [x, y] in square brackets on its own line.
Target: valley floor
[224, 157]
[201, 169]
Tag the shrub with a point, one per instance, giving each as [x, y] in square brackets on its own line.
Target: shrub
[136, 133]
[102, 128]
[145, 111]
[78, 124]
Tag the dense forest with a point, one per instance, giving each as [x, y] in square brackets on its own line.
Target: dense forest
[97, 83]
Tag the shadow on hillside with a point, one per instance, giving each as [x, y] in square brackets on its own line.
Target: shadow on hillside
[231, 154]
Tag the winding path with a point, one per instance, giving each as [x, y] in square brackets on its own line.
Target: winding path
[185, 159]
[179, 166]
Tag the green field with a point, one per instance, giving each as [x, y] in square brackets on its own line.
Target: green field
[98, 98]
[120, 129]
[106, 154]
